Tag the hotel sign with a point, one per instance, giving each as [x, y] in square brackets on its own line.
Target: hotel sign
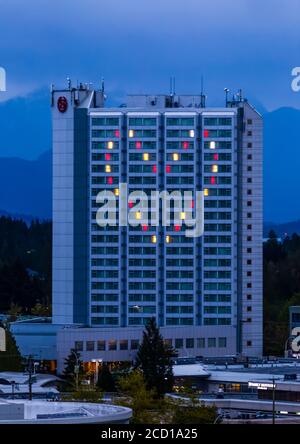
[262, 385]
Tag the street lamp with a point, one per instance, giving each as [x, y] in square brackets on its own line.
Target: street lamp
[96, 374]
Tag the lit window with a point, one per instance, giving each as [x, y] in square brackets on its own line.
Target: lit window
[185, 145]
[138, 215]
[192, 133]
[130, 204]
[216, 156]
[206, 133]
[168, 239]
[175, 156]
[168, 169]
[153, 239]
[107, 168]
[214, 168]
[177, 227]
[138, 145]
[110, 180]
[131, 133]
[107, 156]
[145, 156]
[182, 215]
[192, 204]
[212, 145]
[116, 191]
[145, 227]
[206, 192]
[117, 133]
[110, 145]
[154, 169]
[213, 180]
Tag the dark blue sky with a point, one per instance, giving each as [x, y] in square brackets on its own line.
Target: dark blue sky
[137, 44]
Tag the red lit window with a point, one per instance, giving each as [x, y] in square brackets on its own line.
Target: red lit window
[107, 156]
[216, 156]
[130, 204]
[145, 227]
[185, 145]
[110, 180]
[154, 169]
[168, 169]
[213, 180]
[138, 145]
[177, 227]
[192, 204]
[117, 133]
[206, 133]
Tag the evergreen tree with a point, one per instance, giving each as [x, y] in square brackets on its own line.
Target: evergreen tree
[10, 360]
[73, 366]
[154, 358]
[105, 379]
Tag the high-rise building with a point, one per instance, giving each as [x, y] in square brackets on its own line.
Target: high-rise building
[205, 291]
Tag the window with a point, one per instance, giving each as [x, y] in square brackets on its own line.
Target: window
[249, 343]
[249, 227]
[249, 121]
[101, 345]
[249, 157]
[249, 262]
[249, 285]
[178, 343]
[249, 238]
[211, 342]
[249, 273]
[249, 192]
[201, 343]
[249, 168]
[249, 145]
[90, 346]
[249, 250]
[112, 344]
[123, 344]
[79, 345]
[249, 215]
[249, 308]
[134, 344]
[249, 203]
[249, 133]
[249, 180]
[189, 342]
[249, 297]
[222, 342]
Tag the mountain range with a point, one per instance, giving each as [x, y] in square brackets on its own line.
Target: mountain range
[25, 160]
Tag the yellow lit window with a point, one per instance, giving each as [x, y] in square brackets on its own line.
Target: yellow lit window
[206, 192]
[116, 191]
[182, 215]
[110, 145]
[138, 215]
[130, 133]
[175, 156]
[168, 239]
[107, 168]
[214, 168]
[192, 133]
[145, 156]
[212, 145]
[153, 239]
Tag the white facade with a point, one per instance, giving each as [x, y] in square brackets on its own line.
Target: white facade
[113, 279]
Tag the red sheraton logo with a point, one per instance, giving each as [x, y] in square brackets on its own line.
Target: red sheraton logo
[62, 104]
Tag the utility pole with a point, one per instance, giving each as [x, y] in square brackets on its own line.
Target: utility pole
[76, 369]
[30, 371]
[273, 400]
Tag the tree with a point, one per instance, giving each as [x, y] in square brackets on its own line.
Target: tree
[154, 358]
[194, 413]
[41, 310]
[10, 360]
[73, 367]
[105, 379]
[14, 312]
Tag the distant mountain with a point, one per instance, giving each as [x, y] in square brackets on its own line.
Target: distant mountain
[283, 229]
[26, 186]
[282, 165]
[25, 126]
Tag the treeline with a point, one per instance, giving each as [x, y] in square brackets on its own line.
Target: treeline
[281, 289]
[25, 266]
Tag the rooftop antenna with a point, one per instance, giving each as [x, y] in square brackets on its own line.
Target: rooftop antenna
[69, 83]
[171, 86]
[226, 95]
[102, 85]
[174, 91]
[240, 95]
[203, 97]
